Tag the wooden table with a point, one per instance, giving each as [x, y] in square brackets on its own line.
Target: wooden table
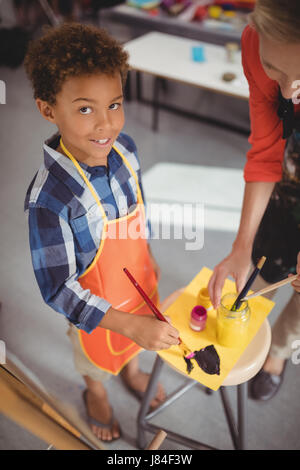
[141, 22]
[168, 57]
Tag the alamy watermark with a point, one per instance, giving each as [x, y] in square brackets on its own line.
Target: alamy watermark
[167, 221]
[2, 352]
[295, 95]
[295, 358]
[178, 221]
[2, 92]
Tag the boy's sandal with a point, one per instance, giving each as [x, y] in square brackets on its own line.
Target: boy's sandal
[99, 424]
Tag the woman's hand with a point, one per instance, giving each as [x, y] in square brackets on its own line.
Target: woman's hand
[237, 265]
[296, 284]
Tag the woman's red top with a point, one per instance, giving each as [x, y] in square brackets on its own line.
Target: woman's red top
[264, 159]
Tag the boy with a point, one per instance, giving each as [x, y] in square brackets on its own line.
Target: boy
[87, 218]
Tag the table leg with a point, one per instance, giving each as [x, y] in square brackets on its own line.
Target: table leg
[128, 94]
[155, 101]
[138, 78]
[229, 417]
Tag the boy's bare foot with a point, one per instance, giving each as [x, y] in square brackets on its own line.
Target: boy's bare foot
[99, 409]
[137, 381]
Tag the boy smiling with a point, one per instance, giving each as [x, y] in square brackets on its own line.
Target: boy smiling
[92, 137]
[88, 190]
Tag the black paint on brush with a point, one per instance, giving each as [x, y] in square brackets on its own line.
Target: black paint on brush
[189, 365]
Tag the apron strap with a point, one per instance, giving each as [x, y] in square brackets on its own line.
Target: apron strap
[90, 186]
[81, 172]
[131, 170]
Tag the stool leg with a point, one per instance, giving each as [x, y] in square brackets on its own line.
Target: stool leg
[229, 417]
[242, 395]
[148, 395]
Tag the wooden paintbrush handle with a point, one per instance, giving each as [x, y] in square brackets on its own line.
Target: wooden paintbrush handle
[148, 301]
[157, 441]
[261, 262]
[272, 287]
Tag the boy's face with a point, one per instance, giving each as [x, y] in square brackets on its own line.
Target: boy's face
[89, 115]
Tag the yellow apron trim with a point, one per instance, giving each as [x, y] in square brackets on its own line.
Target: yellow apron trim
[91, 188]
[103, 368]
[96, 256]
[111, 349]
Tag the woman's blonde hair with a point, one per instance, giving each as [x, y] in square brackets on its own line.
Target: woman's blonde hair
[279, 20]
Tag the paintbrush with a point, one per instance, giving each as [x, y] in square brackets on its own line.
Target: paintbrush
[272, 287]
[248, 284]
[207, 358]
[154, 309]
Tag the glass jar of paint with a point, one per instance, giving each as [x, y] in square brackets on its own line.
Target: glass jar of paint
[198, 318]
[204, 299]
[232, 327]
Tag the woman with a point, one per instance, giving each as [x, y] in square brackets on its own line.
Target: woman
[270, 220]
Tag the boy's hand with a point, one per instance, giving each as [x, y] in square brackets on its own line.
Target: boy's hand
[152, 334]
[296, 284]
[145, 330]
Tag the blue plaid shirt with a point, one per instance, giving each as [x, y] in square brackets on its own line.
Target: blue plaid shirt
[65, 225]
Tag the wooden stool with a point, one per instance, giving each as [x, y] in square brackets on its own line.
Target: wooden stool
[246, 367]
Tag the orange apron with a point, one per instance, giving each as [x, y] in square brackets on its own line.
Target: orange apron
[123, 244]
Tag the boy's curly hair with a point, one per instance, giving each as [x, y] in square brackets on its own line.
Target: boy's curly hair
[71, 50]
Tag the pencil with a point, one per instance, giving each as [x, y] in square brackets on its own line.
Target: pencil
[248, 284]
[272, 287]
[153, 307]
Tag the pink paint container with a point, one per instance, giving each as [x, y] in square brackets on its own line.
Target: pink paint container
[198, 318]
